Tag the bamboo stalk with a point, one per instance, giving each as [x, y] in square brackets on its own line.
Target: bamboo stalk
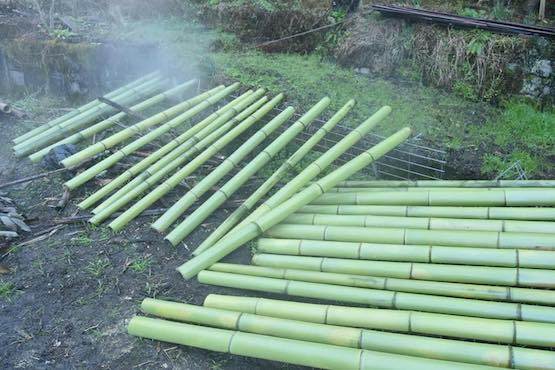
[337, 335]
[491, 213]
[82, 109]
[240, 213]
[400, 321]
[503, 198]
[218, 173]
[428, 223]
[368, 280]
[182, 154]
[180, 175]
[525, 258]
[454, 238]
[316, 167]
[109, 122]
[383, 299]
[182, 230]
[149, 137]
[56, 133]
[144, 164]
[450, 183]
[297, 352]
[256, 227]
[131, 131]
[156, 172]
[416, 189]
[504, 276]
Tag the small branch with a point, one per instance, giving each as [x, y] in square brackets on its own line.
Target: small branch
[31, 178]
[121, 108]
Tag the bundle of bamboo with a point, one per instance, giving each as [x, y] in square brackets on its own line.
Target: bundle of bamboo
[438, 262]
[307, 325]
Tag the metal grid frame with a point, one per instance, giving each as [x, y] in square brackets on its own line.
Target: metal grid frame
[409, 161]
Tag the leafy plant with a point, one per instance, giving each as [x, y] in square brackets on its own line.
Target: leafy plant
[6, 290]
[97, 267]
[62, 33]
[141, 264]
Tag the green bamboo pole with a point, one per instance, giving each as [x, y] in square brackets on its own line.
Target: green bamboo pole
[144, 164]
[422, 223]
[400, 321]
[316, 167]
[148, 138]
[382, 298]
[256, 227]
[131, 131]
[503, 198]
[291, 351]
[492, 213]
[56, 133]
[454, 238]
[116, 205]
[180, 175]
[82, 109]
[525, 258]
[416, 189]
[227, 165]
[183, 153]
[192, 221]
[244, 209]
[110, 122]
[504, 276]
[336, 335]
[450, 183]
[460, 290]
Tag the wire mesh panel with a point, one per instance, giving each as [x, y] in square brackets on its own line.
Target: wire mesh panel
[409, 161]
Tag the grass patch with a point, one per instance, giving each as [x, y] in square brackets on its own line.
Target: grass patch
[141, 264]
[306, 79]
[520, 133]
[7, 290]
[97, 267]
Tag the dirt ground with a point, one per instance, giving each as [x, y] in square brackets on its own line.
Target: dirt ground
[75, 291]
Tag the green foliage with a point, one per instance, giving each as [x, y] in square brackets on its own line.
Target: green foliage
[466, 90]
[141, 264]
[493, 165]
[473, 13]
[523, 133]
[97, 267]
[478, 42]
[522, 125]
[501, 11]
[62, 33]
[7, 290]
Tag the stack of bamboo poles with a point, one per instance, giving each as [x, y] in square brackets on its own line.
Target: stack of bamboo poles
[427, 275]
[434, 263]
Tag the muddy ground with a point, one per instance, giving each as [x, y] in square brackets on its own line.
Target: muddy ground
[75, 291]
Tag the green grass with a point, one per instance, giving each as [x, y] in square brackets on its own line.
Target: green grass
[439, 116]
[141, 264]
[97, 267]
[519, 133]
[7, 290]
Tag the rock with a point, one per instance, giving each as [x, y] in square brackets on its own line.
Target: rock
[363, 70]
[542, 68]
[532, 87]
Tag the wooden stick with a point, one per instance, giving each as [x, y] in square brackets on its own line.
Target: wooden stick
[542, 10]
[31, 178]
